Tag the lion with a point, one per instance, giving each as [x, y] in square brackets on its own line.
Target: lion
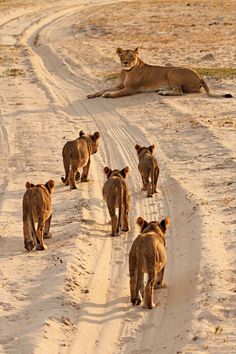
[137, 77]
[147, 255]
[37, 208]
[116, 195]
[76, 154]
[148, 168]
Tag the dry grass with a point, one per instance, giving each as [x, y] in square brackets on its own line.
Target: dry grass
[219, 73]
[13, 72]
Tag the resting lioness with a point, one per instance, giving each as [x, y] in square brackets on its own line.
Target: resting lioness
[136, 77]
[37, 208]
[148, 168]
[76, 154]
[116, 195]
[147, 255]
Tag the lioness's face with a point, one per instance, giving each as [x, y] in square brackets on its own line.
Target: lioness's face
[128, 58]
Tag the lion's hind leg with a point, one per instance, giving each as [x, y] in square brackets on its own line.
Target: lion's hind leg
[84, 177]
[46, 233]
[159, 281]
[111, 205]
[144, 184]
[133, 278]
[72, 175]
[139, 288]
[40, 232]
[29, 236]
[148, 295]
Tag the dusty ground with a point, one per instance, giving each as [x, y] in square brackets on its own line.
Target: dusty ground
[74, 297]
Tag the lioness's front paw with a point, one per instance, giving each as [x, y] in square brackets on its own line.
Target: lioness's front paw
[92, 95]
[107, 95]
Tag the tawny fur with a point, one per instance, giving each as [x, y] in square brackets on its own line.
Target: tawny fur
[116, 195]
[147, 255]
[37, 208]
[148, 168]
[76, 154]
[137, 77]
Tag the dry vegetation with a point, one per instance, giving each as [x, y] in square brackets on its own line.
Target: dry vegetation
[195, 37]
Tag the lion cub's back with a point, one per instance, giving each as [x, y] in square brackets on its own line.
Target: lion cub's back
[151, 248]
[146, 161]
[112, 187]
[37, 200]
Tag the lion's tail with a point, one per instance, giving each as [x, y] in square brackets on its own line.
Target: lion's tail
[120, 210]
[206, 88]
[31, 222]
[67, 164]
[33, 225]
[140, 275]
[153, 178]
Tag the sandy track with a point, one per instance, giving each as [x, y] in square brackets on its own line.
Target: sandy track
[46, 296]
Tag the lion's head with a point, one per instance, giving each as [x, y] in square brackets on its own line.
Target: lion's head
[128, 58]
[153, 225]
[93, 140]
[119, 173]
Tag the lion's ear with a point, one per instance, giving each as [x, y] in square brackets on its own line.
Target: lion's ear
[124, 171]
[50, 185]
[81, 133]
[165, 223]
[119, 51]
[136, 50]
[141, 222]
[151, 148]
[96, 136]
[137, 148]
[29, 185]
[107, 170]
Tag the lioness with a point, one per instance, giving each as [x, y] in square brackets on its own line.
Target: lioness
[147, 255]
[148, 168]
[76, 154]
[37, 209]
[116, 195]
[136, 77]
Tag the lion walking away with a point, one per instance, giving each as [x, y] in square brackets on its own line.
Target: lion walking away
[148, 168]
[37, 208]
[116, 195]
[147, 255]
[77, 154]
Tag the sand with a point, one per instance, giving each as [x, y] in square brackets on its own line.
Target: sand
[74, 297]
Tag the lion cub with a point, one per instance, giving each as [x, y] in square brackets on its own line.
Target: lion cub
[147, 255]
[76, 154]
[148, 168]
[116, 195]
[37, 208]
